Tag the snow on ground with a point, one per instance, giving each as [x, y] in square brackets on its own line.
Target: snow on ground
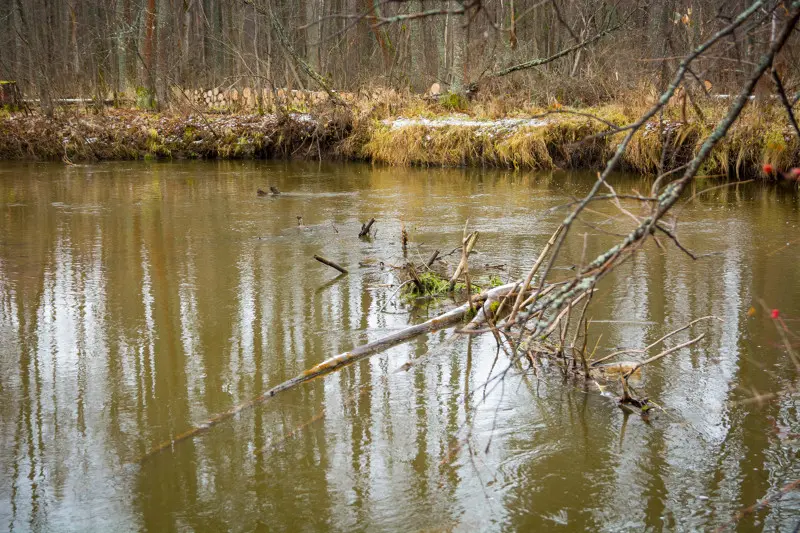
[464, 121]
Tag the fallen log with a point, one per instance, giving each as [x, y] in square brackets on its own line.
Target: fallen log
[342, 360]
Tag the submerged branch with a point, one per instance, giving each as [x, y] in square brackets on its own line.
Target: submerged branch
[342, 360]
[331, 264]
[665, 353]
[655, 343]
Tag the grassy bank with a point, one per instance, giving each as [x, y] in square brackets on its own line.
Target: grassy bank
[398, 130]
[125, 134]
[559, 138]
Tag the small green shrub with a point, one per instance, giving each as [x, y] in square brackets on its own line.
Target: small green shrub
[454, 102]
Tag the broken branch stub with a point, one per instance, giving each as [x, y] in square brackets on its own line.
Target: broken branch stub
[432, 259]
[366, 227]
[467, 246]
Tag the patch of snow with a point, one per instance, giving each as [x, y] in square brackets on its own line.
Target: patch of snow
[466, 122]
[302, 117]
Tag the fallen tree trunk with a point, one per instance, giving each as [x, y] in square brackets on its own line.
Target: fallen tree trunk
[445, 320]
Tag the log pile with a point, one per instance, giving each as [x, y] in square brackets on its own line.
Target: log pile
[248, 98]
[268, 100]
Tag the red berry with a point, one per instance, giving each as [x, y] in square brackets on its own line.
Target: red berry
[768, 169]
[775, 313]
[795, 173]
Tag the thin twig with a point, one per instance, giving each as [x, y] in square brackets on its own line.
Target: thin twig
[665, 353]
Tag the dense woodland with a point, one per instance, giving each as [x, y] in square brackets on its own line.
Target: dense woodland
[579, 51]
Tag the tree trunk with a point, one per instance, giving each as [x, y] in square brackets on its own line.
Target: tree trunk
[658, 30]
[186, 29]
[380, 34]
[416, 52]
[457, 69]
[149, 31]
[310, 34]
[163, 43]
[76, 57]
[119, 41]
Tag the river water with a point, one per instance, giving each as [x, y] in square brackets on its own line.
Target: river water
[139, 299]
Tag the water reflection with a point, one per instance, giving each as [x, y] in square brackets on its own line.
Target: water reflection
[138, 299]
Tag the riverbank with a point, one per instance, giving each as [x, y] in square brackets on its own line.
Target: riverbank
[415, 132]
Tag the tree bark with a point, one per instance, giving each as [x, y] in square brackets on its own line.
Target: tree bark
[457, 69]
[119, 41]
[149, 31]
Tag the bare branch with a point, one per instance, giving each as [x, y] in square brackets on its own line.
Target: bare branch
[543, 61]
[785, 101]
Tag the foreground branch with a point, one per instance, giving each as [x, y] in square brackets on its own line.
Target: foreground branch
[445, 320]
[604, 263]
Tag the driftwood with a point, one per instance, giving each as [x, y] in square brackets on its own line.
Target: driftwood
[366, 227]
[331, 264]
[442, 321]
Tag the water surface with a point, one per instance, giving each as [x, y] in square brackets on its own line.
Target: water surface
[138, 299]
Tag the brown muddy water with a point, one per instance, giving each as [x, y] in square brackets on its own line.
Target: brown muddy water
[138, 299]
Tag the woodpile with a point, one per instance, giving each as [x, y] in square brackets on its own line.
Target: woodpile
[248, 98]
